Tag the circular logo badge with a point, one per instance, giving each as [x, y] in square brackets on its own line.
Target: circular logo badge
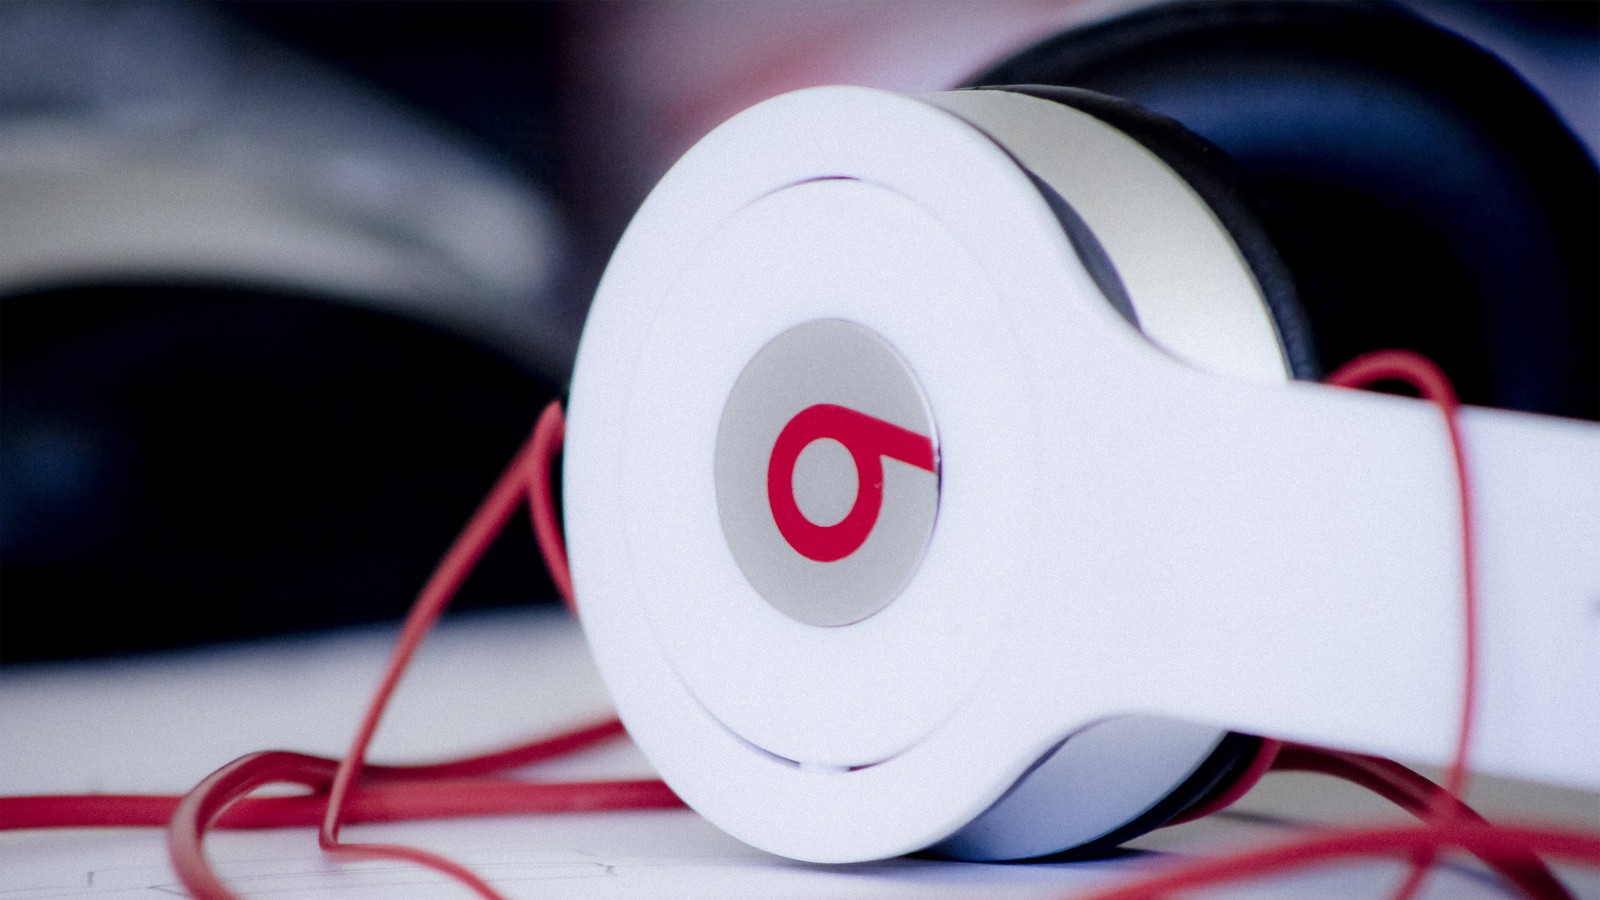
[827, 472]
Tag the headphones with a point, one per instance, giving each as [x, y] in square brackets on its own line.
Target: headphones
[944, 473]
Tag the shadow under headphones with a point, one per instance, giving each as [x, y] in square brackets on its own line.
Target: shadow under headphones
[938, 476]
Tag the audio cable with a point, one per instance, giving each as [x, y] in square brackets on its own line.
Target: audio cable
[349, 790]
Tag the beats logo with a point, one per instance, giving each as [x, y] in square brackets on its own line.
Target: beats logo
[827, 472]
[868, 440]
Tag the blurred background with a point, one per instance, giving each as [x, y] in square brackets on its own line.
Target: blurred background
[283, 285]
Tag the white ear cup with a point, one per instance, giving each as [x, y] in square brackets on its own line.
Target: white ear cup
[882, 211]
[1112, 525]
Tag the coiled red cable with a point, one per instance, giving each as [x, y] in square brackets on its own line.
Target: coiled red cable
[349, 790]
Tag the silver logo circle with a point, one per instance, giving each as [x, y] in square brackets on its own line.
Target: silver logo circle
[827, 472]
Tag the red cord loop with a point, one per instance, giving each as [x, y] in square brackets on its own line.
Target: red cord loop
[527, 478]
[1430, 381]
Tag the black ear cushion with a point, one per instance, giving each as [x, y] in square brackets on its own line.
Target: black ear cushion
[1214, 177]
[1421, 194]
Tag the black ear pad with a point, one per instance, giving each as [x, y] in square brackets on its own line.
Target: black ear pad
[1419, 192]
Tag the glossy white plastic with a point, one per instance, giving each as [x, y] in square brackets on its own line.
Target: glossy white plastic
[1119, 534]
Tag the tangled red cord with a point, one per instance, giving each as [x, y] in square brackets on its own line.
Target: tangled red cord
[350, 790]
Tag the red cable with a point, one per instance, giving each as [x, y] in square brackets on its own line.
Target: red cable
[513, 487]
[527, 476]
[1417, 795]
[441, 799]
[1430, 381]
[103, 810]
[394, 793]
[1444, 815]
[1483, 840]
[549, 433]
[454, 788]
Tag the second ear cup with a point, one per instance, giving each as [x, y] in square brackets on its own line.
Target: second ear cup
[1421, 194]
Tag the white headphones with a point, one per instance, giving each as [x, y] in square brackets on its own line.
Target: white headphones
[935, 479]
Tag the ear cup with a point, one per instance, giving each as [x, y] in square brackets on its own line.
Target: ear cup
[1421, 194]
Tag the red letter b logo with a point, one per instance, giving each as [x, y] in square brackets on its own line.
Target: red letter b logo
[869, 440]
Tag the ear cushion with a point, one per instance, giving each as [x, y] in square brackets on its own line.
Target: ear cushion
[1419, 192]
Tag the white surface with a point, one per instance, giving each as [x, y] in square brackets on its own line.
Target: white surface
[161, 723]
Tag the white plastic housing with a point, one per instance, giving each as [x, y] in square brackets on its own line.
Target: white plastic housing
[1118, 534]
